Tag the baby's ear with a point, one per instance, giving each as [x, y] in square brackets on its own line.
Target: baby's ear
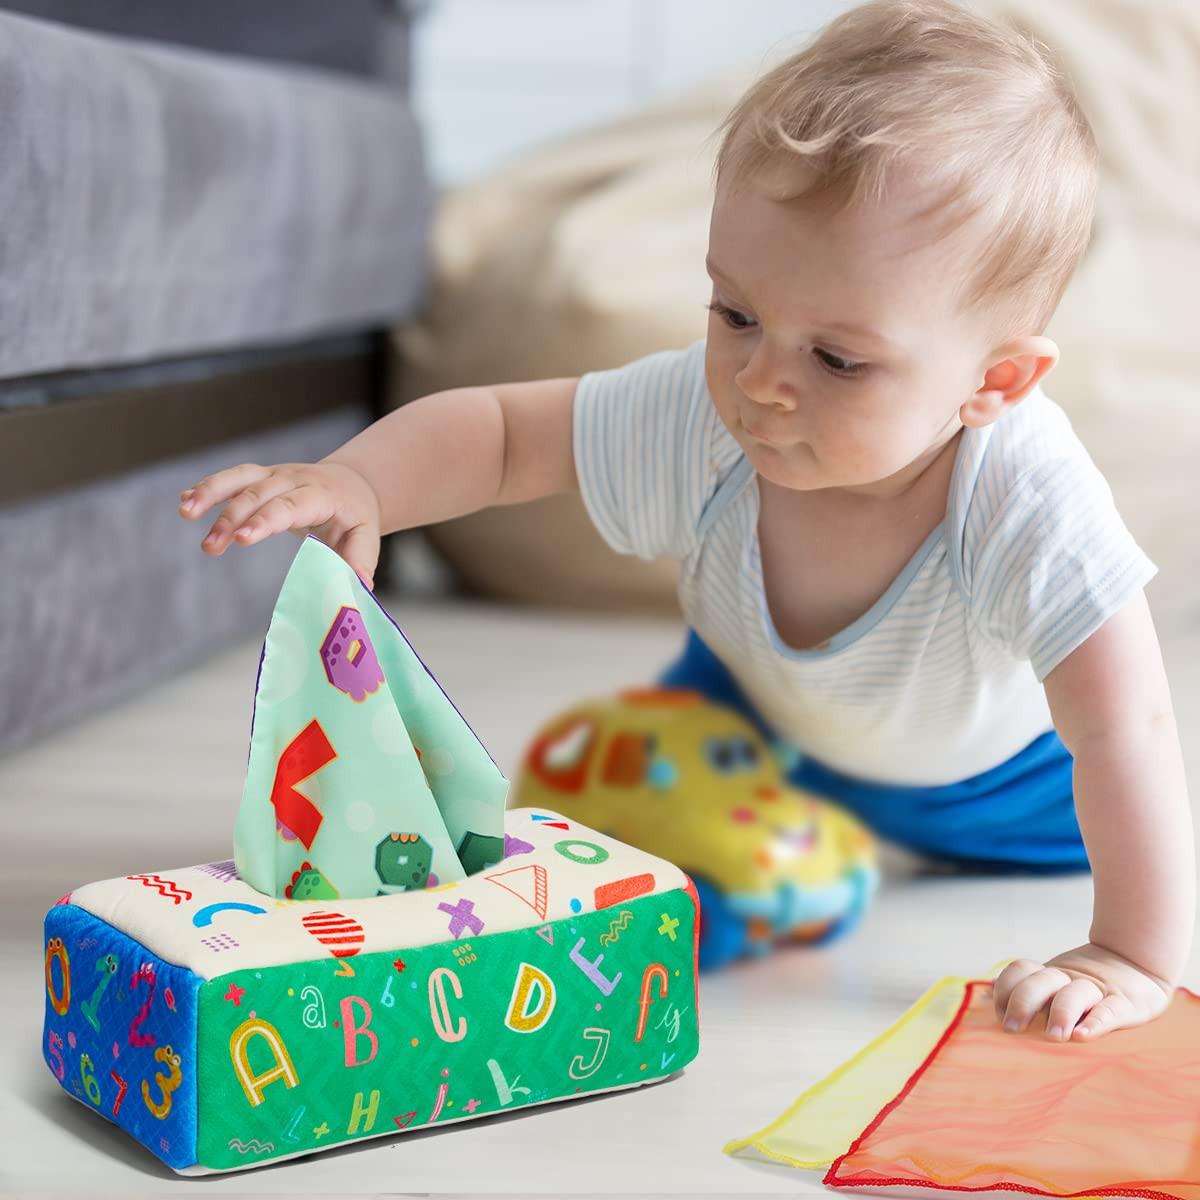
[1010, 373]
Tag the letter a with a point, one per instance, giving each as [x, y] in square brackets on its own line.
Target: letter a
[253, 1084]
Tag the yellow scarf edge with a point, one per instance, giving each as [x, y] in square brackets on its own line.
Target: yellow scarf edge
[755, 1139]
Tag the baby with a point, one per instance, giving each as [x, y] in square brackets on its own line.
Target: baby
[895, 553]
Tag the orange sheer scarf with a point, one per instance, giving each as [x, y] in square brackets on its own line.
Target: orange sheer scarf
[950, 1101]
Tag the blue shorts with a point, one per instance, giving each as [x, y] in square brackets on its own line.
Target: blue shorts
[1019, 815]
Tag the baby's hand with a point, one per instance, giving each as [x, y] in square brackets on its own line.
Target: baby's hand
[331, 500]
[1087, 992]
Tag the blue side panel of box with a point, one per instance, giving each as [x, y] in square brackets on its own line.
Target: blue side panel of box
[120, 1031]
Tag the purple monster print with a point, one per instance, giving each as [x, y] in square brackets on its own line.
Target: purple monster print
[350, 661]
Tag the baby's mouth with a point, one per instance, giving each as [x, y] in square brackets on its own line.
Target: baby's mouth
[761, 438]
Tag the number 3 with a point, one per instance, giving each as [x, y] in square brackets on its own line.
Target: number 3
[166, 1084]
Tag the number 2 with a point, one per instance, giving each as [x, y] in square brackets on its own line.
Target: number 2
[136, 1037]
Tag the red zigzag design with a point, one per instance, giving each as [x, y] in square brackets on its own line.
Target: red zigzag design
[164, 887]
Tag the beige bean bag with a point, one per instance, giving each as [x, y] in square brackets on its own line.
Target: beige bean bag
[589, 253]
[584, 255]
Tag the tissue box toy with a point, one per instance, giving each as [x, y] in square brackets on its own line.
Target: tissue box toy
[223, 1028]
[388, 948]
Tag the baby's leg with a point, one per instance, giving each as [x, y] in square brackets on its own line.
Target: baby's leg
[1018, 816]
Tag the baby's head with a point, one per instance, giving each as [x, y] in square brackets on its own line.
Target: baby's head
[898, 210]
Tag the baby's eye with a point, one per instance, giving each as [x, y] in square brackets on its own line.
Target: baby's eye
[836, 365]
[731, 317]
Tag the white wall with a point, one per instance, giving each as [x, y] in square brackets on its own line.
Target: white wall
[492, 77]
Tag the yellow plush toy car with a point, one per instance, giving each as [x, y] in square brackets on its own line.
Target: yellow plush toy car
[693, 782]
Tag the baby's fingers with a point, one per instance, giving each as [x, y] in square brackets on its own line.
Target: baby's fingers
[1113, 1012]
[360, 548]
[300, 508]
[216, 489]
[1031, 995]
[1002, 988]
[240, 510]
[1068, 1005]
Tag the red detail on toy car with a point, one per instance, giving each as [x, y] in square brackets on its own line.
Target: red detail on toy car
[626, 760]
[560, 759]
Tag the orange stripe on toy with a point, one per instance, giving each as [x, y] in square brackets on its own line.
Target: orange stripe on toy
[608, 894]
[661, 697]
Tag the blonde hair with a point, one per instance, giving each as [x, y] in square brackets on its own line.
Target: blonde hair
[977, 107]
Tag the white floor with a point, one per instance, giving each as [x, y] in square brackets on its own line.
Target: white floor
[155, 783]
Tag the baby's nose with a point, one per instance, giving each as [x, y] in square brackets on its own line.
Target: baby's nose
[767, 383]
[773, 393]
[783, 396]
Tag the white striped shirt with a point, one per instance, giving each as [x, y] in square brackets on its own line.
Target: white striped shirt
[941, 678]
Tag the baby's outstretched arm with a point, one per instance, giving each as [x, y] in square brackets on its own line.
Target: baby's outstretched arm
[439, 457]
[1112, 708]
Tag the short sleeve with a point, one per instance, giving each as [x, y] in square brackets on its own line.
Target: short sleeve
[1054, 562]
[643, 437]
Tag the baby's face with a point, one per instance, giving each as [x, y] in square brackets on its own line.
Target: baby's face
[839, 352]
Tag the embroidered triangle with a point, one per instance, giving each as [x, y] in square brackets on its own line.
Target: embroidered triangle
[530, 887]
